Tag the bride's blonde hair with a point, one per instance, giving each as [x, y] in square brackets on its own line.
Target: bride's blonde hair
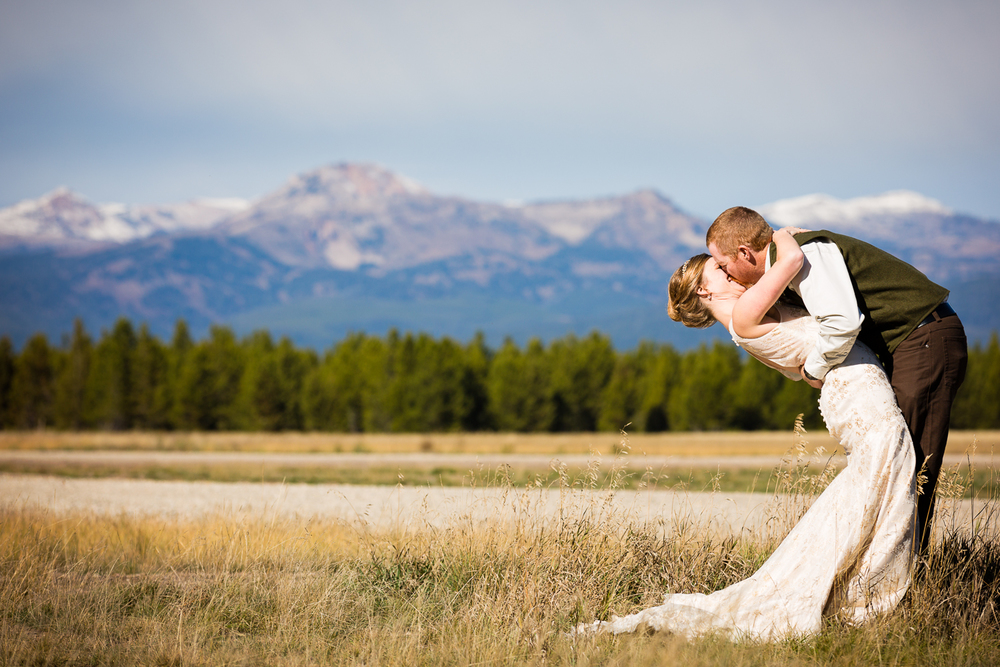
[685, 306]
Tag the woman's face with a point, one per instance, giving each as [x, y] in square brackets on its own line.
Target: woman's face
[715, 281]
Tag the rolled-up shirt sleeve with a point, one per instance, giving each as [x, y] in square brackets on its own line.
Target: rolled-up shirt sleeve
[828, 294]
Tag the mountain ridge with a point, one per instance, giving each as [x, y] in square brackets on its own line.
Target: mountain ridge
[355, 243]
[63, 218]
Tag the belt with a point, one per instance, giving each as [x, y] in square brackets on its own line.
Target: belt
[942, 311]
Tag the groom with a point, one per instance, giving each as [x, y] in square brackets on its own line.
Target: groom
[857, 291]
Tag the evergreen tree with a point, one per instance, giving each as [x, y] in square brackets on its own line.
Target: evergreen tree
[401, 399]
[425, 392]
[372, 378]
[756, 391]
[476, 370]
[345, 392]
[580, 371]
[653, 413]
[149, 364]
[518, 387]
[538, 409]
[262, 402]
[293, 368]
[703, 398]
[166, 391]
[445, 403]
[71, 386]
[452, 404]
[502, 388]
[626, 390]
[225, 359]
[977, 405]
[319, 400]
[110, 382]
[195, 406]
[33, 384]
[324, 402]
[7, 366]
[208, 383]
[793, 399]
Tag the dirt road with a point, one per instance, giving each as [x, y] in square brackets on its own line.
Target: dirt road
[383, 507]
[378, 505]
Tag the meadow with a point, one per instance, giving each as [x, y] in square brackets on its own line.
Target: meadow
[79, 588]
[716, 461]
[715, 443]
[85, 589]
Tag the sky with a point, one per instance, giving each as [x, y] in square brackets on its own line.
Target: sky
[713, 103]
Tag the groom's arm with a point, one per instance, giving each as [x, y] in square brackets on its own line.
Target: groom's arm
[825, 286]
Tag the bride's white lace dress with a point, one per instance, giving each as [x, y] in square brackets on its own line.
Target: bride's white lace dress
[852, 552]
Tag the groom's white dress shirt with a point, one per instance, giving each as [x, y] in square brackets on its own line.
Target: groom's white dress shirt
[825, 286]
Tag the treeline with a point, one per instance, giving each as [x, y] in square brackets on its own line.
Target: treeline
[130, 379]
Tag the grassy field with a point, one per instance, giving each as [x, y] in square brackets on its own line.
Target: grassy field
[81, 589]
[707, 444]
[718, 476]
[659, 444]
[684, 478]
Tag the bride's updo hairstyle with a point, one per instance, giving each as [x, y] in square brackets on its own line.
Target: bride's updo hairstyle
[685, 306]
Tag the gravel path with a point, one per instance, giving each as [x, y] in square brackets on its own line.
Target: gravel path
[377, 505]
[382, 506]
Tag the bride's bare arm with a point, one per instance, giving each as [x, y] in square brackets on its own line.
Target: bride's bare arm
[751, 308]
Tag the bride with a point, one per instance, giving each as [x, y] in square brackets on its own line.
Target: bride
[851, 554]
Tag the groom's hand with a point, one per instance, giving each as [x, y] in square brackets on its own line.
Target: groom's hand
[810, 380]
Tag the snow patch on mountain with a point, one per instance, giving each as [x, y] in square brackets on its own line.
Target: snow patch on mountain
[569, 220]
[344, 254]
[59, 214]
[826, 211]
[63, 216]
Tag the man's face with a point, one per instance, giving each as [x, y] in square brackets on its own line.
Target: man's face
[742, 268]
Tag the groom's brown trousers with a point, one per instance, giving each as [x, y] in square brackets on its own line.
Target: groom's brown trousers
[927, 370]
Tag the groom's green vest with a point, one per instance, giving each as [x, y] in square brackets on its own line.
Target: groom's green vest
[893, 296]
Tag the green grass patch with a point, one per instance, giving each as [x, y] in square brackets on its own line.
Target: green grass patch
[980, 482]
[692, 479]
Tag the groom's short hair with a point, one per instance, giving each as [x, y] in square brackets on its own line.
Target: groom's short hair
[738, 226]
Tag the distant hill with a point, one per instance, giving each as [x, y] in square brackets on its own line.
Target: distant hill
[355, 247]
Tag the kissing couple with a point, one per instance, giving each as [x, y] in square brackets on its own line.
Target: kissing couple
[888, 353]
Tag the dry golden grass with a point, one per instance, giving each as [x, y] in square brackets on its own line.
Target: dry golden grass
[756, 443]
[89, 590]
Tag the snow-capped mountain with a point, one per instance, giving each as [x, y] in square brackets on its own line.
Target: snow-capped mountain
[358, 247]
[350, 216]
[64, 218]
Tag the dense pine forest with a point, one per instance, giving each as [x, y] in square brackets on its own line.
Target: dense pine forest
[130, 379]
